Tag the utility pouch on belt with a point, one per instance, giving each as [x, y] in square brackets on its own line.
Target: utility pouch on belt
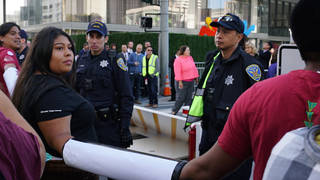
[107, 113]
[88, 84]
[104, 114]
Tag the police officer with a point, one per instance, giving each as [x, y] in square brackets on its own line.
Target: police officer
[104, 82]
[22, 51]
[229, 72]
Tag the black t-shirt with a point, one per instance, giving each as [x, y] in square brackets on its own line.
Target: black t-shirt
[147, 65]
[60, 102]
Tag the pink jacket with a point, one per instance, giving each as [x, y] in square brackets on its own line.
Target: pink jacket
[184, 68]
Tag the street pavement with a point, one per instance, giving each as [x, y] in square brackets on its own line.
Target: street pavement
[164, 105]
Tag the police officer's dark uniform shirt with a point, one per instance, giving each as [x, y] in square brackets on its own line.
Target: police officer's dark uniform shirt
[228, 80]
[22, 56]
[49, 99]
[105, 83]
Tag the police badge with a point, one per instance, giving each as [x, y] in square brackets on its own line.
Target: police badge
[104, 63]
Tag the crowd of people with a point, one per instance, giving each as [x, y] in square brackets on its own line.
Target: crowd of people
[58, 99]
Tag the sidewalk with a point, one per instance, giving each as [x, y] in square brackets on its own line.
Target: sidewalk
[163, 102]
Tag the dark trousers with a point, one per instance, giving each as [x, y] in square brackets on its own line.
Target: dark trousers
[153, 89]
[135, 82]
[108, 131]
[172, 84]
[184, 95]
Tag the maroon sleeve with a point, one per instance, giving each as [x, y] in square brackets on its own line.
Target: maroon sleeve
[19, 152]
[235, 137]
[8, 57]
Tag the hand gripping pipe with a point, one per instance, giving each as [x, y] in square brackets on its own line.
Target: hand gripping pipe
[119, 163]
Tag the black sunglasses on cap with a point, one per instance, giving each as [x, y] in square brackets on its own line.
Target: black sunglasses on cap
[225, 18]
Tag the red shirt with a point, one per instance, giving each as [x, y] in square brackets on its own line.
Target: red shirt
[7, 56]
[265, 112]
[19, 152]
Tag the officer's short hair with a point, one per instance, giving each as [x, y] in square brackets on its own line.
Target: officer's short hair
[304, 18]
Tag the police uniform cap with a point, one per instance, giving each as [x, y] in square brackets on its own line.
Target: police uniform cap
[23, 34]
[229, 21]
[98, 26]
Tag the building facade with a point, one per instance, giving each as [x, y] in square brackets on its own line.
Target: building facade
[185, 16]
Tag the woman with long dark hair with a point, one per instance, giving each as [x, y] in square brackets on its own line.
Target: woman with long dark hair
[44, 94]
[9, 65]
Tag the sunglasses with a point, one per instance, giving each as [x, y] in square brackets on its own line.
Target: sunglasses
[149, 50]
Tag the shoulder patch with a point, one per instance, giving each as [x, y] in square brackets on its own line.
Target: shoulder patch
[254, 72]
[122, 65]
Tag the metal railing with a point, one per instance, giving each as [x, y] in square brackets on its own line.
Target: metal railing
[200, 66]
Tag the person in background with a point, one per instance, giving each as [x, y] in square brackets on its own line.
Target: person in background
[21, 149]
[85, 48]
[9, 65]
[150, 72]
[105, 83]
[135, 69]
[23, 50]
[265, 55]
[251, 50]
[130, 47]
[185, 73]
[112, 53]
[272, 72]
[28, 43]
[146, 45]
[268, 110]
[172, 79]
[106, 47]
[124, 54]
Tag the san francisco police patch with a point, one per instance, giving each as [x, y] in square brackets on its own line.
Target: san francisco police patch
[254, 72]
[122, 65]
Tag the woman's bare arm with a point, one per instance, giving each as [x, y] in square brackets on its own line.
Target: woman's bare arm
[56, 132]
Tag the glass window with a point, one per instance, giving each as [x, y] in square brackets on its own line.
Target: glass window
[269, 16]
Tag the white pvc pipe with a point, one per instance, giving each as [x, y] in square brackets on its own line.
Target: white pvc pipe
[116, 163]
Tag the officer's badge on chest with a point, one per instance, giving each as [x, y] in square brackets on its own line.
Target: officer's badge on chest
[229, 80]
[104, 63]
